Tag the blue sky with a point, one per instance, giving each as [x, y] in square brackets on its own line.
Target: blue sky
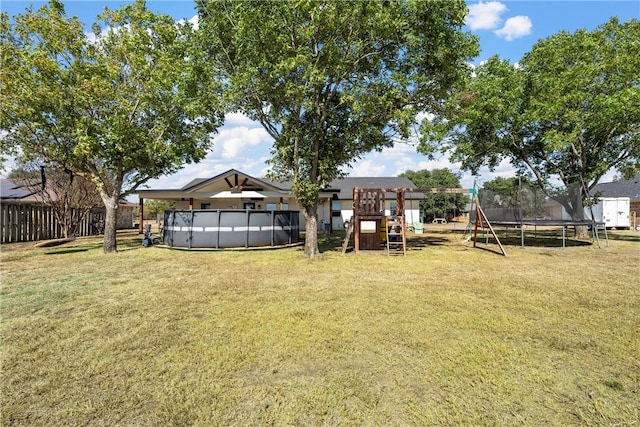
[506, 28]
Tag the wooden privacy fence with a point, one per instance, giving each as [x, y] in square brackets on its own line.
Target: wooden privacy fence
[28, 223]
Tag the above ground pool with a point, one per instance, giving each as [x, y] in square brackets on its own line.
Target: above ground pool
[231, 228]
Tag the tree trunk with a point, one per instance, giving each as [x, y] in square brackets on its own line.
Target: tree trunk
[111, 213]
[577, 214]
[576, 211]
[311, 231]
[582, 232]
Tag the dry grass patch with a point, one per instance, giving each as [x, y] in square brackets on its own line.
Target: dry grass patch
[446, 335]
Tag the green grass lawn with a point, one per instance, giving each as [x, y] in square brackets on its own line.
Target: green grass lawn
[448, 335]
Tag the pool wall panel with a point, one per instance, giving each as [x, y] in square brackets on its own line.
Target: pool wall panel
[230, 228]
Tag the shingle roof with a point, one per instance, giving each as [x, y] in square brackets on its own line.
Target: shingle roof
[199, 181]
[629, 188]
[194, 182]
[346, 185]
[10, 189]
[343, 187]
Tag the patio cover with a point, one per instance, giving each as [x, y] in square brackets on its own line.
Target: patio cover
[238, 195]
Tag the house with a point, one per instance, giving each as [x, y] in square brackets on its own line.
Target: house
[25, 216]
[234, 189]
[16, 191]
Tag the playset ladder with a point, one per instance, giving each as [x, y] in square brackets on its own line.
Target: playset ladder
[396, 236]
[347, 236]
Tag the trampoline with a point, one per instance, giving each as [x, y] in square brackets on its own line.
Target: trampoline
[554, 223]
[232, 228]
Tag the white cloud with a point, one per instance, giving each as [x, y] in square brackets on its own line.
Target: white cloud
[515, 27]
[240, 140]
[368, 167]
[195, 22]
[240, 144]
[427, 115]
[239, 119]
[485, 16]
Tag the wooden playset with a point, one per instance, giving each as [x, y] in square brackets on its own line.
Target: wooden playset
[373, 229]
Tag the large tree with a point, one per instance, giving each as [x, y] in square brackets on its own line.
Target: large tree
[70, 198]
[567, 111]
[333, 80]
[119, 107]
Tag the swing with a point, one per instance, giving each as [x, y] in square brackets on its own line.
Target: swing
[443, 219]
[417, 227]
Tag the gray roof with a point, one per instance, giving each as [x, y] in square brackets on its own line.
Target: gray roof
[629, 188]
[199, 181]
[13, 190]
[194, 182]
[345, 186]
[342, 186]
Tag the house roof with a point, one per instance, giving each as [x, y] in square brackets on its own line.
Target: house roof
[197, 183]
[13, 190]
[629, 188]
[342, 187]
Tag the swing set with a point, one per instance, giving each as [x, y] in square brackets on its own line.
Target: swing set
[374, 230]
[440, 214]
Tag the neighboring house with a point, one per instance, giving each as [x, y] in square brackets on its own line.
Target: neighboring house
[25, 217]
[237, 190]
[14, 191]
[629, 188]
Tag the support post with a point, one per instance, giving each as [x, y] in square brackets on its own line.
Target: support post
[140, 215]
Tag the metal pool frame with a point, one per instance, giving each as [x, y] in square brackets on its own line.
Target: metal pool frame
[230, 228]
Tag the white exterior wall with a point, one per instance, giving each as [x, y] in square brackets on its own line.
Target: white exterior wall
[411, 215]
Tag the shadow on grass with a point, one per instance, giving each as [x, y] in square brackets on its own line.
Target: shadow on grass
[69, 250]
[539, 241]
[623, 236]
[508, 238]
[417, 242]
[126, 241]
[332, 242]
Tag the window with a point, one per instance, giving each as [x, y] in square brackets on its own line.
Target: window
[336, 206]
[276, 206]
[367, 227]
[249, 205]
[393, 208]
[205, 206]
